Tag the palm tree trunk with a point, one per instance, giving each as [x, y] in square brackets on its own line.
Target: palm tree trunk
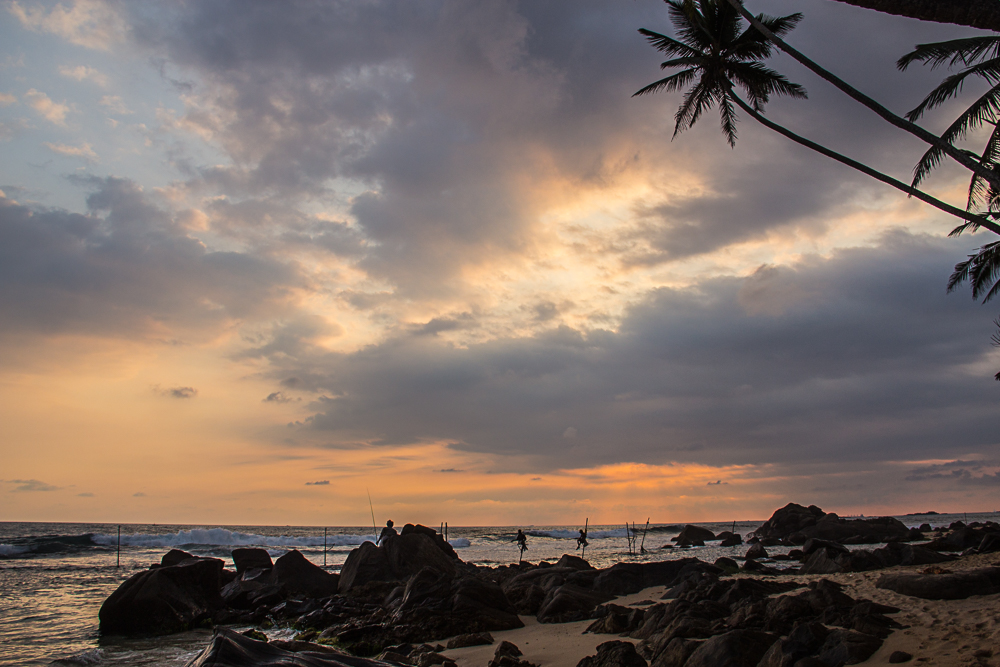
[865, 169]
[962, 158]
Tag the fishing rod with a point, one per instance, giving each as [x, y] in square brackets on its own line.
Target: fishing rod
[374, 525]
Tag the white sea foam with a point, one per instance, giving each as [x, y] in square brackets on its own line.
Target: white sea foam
[223, 537]
[11, 550]
[459, 542]
[91, 657]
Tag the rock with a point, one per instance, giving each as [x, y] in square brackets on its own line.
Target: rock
[245, 559]
[438, 540]
[508, 655]
[812, 545]
[628, 578]
[676, 652]
[846, 647]
[820, 562]
[756, 551]
[795, 524]
[230, 649]
[570, 603]
[365, 564]
[574, 562]
[613, 619]
[471, 639]
[728, 539]
[614, 654]
[897, 657]
[737, 648]
[294, 574]
[411, 552]
[727, 565]
[912, 554]
[805, 640]
[950, 586]
[693, 536]
[174, 556]
[164, 600]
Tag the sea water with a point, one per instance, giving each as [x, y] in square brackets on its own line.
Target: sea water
[54, 577]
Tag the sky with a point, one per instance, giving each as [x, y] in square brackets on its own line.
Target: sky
[260, 260]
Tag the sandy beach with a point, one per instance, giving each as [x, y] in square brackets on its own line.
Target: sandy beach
[935, 632]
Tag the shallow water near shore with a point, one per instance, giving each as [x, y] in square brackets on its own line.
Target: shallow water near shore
[54, 577]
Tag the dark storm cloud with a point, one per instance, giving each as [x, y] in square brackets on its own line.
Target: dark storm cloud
[123, 269]
[962, 472]
[860, 357]
[453, 111]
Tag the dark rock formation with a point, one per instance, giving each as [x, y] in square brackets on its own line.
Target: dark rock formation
[294, 574]
[728, 539]
[472, 639]
[245, 559]
[230, 649]
[737, 648]
[756, 551]
[614, 654]
[946, 586]
[174, 556]
[693, 536]
[794, 524]
[165, 599]
[846, 647]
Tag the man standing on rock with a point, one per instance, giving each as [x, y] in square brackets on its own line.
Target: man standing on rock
[386, 532]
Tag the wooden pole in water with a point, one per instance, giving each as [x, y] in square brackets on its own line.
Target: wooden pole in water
[324, 547]
[642, 546]
[118, 563]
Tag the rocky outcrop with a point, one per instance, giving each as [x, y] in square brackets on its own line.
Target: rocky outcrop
[165, 599]
[231, 649]
[944, 586]
[614, 654]
[246, 559]
[794, 524]
[399, 557]
[693, 536]
[294, 574]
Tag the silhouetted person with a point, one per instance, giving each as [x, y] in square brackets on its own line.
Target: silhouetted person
[386, 532]
[522, 540]
[582, 540]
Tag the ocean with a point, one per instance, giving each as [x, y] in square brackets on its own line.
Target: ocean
[55, 576]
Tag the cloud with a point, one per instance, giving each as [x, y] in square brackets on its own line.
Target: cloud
[176, 392]
[324, 482]
[53, 112]
[126, 270]
[279, 397]
[114, 104]
[84, 73]
[83, 150]
[85, 495]
[89, 23]
[27, 485]
[978, 473]
[138, 494]
[878, 364]
[450, 470]
[6, 100]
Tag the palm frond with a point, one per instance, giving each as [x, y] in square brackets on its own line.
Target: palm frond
[986, 109]
[981, 270]
[952, 52]
[728, 121]
[667, 45]
[670, 83]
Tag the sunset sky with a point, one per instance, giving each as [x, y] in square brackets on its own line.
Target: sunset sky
[258, 259]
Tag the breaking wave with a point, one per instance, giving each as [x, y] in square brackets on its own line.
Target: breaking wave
[228, 538]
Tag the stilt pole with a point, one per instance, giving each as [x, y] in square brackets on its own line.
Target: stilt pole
[324, 547]
[642, 545]
[118, 563]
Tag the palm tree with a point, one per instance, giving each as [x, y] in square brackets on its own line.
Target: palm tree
[964, 158]
[715, 52]
[980, 57]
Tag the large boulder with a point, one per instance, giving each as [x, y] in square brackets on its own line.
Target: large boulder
[737, 648]
[231, 649]
[247, 558]
[694, 536]
[294, 574]
[794, 524]
[570, 602]
[439, 541]
[946, 586]
[164, 600]
[614, 654]
[628, 578]
[365, 564]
